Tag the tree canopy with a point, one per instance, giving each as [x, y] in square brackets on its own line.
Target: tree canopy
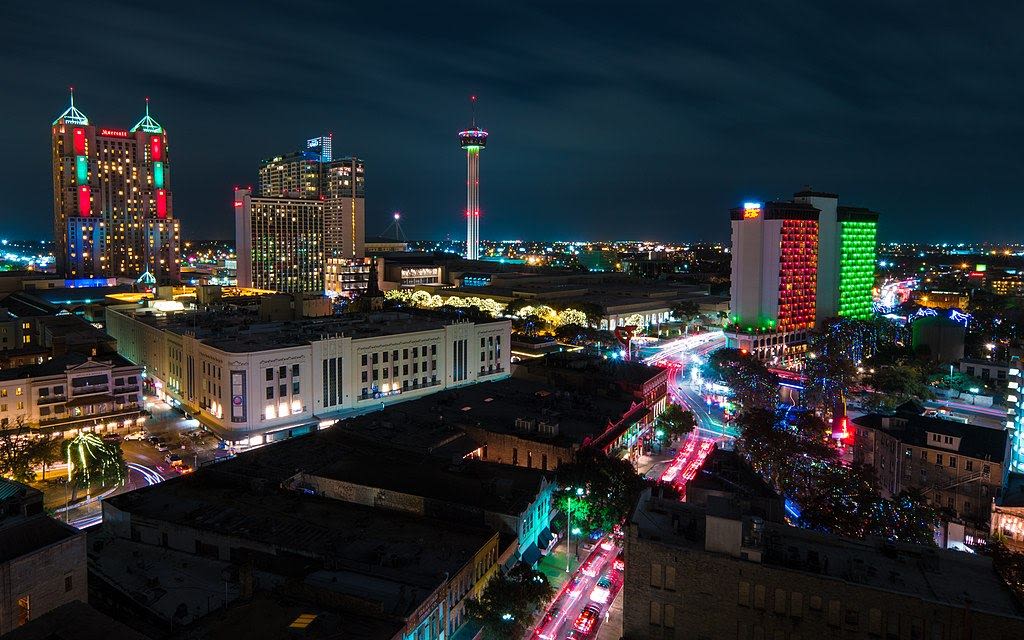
[507, 603]
[21, 452]
[753, 385]
[610, 488]
[675, 422]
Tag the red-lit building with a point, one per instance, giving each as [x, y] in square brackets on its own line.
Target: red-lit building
[112, 204]
[774, 278]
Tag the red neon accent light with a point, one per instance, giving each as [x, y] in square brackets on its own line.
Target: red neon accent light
[84, 204]
[79, 141]
[114, 133]
[161, 203]
[238, 203]
[798, 274]
[156, 148]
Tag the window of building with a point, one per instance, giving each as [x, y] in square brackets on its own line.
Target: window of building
[833, 612]
[796, 604]
[985, 470]
[295, 370]
[375, 358]
[815, 603]
[433, 349]
[938, 459]
[270, 393]
[952, 462]
[670, 578]
[668, 618]
[295, 387]
[851, 617]
[969, 465]
[515, 456]
[24, 610]
[405, 354]
[656, 613]
[282, 390]
[759, 592]
[924, 455]
[270, 375]
[363, 359]
[743, 594]
[780, 601]
[67, 583]
[386, 356]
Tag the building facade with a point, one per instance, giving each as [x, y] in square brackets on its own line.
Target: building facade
[959, 468]
[42, 560]
[255, 382]
[794, 265]
[1015, 412]
[113, 211]
[72, 392]
[314, 174]
[279, 243]
[774, 278]
[708, 572]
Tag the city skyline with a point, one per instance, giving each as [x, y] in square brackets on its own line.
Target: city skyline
[565, 99]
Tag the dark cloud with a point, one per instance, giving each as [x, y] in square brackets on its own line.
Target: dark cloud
[608, 120]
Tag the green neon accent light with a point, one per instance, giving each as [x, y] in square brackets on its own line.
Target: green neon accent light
[82, 169]
[158, 174]
[473, 149]
[72, 115]
[147, 124]
[856, 268]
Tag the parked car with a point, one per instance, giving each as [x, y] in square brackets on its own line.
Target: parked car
[161, 446]
[137, 435]
[620, 562]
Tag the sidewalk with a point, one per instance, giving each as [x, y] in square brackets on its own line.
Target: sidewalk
[553, 566]
[612, 628]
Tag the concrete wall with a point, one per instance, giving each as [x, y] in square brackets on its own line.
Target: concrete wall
[42, 577]
[708, 596]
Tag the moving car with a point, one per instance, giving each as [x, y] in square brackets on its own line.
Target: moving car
[161, 446]
[587, 619]
[173, 459]
[620, 562]
[603, 590]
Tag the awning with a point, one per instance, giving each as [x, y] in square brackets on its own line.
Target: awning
[531, 555]
[545, 538]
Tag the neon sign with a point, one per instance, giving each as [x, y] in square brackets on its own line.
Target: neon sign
[751, 210]
[114, 133]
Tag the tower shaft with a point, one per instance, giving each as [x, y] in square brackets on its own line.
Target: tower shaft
[472, 203]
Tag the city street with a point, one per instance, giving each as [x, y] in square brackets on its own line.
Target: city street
[583, 603]
[146, 464]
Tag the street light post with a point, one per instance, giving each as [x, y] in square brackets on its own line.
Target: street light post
[568, 529]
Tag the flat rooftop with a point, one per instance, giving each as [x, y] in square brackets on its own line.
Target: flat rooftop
[392, 558]
[59, 365]
[496, 406]
[932, 574]
[348, 454]
[28, 535]
[239, 330]
[560, 365]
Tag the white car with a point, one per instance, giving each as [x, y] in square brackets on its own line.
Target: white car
[137, 435]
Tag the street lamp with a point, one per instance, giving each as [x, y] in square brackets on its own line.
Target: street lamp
[568, 528]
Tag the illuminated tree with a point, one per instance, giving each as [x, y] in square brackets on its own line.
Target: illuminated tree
[570, 316]
[752, 384]
[508, 602]
[92, 460]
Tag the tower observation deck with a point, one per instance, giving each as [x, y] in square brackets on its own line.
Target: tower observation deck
[473, 140]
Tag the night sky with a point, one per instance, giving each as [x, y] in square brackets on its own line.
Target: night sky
[622, 120]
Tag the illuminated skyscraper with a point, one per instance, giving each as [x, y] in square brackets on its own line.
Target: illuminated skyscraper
[314, 174]
[846, 257]
[795, 264]
[473, 141]
[112, 205]
[279, 243]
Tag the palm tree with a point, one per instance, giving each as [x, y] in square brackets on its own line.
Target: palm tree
[91, 459]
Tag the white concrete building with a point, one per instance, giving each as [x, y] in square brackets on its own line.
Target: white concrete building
[253, 382]
[72, 392]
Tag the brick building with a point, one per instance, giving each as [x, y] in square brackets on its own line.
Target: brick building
[42, 560]
[960, 468]
[715, 570]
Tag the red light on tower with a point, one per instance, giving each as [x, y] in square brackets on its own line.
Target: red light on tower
[84, 204]
[79, 141]
[156, 148]
[161, 203]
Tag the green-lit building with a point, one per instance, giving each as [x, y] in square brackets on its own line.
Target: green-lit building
[846, 257]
